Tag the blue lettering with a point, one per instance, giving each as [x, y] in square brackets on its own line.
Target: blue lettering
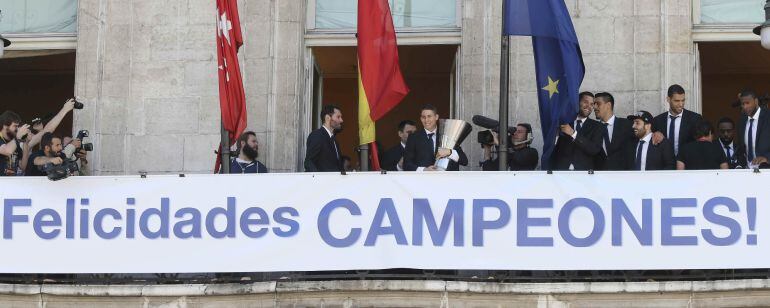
[162, 214]
[620, 213]
[39, 222]
[480, 224]
[668, 221]
[194, 223]
[566, 232]
[523, 222]
[99, 223]
[247, 222]
[278, 217]
[710, 215]
[9, 218]
[452, 214]
[323, 223]
[229, 214]
[386, 209]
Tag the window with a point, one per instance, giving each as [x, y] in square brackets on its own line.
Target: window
[341, 14]
[38, 16]
[732, 11]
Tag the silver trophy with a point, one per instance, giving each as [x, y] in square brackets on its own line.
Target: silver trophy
[450, 134]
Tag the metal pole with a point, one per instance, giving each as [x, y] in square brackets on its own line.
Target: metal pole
[505, 42]
[363, 160]
[225, 150]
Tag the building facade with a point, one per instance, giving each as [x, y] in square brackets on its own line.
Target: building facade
[147, 69]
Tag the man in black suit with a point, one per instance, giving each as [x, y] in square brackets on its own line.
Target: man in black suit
[616, 134]
[393, 158]
[579, 142]
[735, 153]
[754, 130]
[422, 147]
[323, 151]
[677, 124]
[644, 155]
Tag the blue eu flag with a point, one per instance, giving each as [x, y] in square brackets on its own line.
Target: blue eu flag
[558, 61]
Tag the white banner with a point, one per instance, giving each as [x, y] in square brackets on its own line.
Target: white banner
[450, 220]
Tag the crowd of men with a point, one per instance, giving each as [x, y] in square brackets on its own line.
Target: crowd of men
[32, 149]
[676, 139]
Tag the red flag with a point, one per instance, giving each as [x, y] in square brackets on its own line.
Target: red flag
[378, 58]
[232, 99]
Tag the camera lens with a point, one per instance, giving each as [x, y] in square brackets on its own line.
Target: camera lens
[78, 105]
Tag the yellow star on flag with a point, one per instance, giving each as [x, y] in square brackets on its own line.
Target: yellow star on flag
[552, 87]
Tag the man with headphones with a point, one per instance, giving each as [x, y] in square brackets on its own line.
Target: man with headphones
[521, 156]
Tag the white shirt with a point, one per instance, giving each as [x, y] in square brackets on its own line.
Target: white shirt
[403, 146]
[331, 134]
[677, 125]
[454, 156]
[610, 127]
[753, 133]
[645, 146]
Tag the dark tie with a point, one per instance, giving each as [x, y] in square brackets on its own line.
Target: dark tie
[579, 125]
[672, 128]
[334, 145]
[750, 144]
[606, 136]
[729, 154]
[430, 137]
[639, 155]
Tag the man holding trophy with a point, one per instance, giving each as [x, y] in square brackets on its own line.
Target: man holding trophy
[436, 148]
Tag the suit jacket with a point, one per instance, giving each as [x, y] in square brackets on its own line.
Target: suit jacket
[321, 154]
[616, 156]
[762, 143]
[686, 127]
[738, 157]
[419, 153]
[390, 158]
[659, 157]
[581, 151]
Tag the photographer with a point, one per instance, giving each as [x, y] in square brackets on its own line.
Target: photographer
[50, 154]
[11, 142]
[41, 126]
[75, 150]
[520, 155]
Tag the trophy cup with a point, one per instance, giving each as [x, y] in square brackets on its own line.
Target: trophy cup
[450, 134]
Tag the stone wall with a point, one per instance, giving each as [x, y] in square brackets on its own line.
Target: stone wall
[147, 71]
[369, 293]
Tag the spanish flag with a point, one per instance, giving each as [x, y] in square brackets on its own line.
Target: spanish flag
[380, 83]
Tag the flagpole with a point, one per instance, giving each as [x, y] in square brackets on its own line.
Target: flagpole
[505, 42]
[225, 150]
[363, 160]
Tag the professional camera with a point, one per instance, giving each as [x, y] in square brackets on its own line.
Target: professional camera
[485, 136]
[78, 105]
[88, 147]
[58, 172]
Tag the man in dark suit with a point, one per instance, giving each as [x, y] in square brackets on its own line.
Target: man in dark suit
[644, 155]
[677, 124]
[735, 153]
[616, 134]
[754, 130]
[422, 147]
[392, 159]
[323, 151]
[579, 142]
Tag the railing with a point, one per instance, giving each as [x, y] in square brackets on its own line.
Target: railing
[497, 276]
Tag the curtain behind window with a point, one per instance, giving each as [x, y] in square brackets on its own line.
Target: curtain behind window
[341, 14]
[732, 11]
[38, 16]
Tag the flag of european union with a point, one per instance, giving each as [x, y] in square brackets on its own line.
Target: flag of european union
[558, 61]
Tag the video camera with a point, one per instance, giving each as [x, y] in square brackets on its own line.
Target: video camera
[58, 172]
[485, 136]
[88, 147]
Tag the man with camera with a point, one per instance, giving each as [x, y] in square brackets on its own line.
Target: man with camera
[578, 143]
[423, 149]
[50, 155]
[521, 156]
[393, 158]
[12, 137]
